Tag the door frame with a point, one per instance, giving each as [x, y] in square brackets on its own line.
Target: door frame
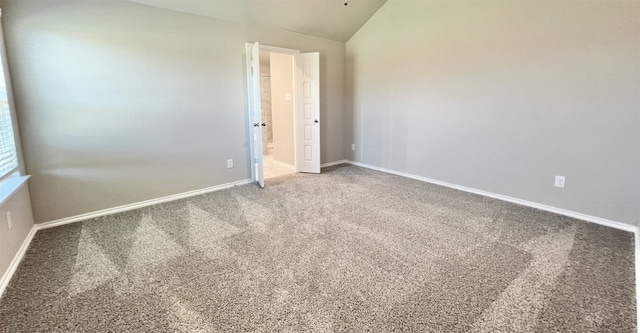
[273, 49]
[253, 116]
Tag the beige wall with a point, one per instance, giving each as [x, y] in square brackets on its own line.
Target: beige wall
[502, 96]
[120, 102]
[12, 239]
[282, 110]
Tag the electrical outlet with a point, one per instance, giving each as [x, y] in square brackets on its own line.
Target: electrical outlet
[353, 146]
[9, 220]
[229, 163]
[560, 181]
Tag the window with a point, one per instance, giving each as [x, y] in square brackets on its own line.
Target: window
[8, 155]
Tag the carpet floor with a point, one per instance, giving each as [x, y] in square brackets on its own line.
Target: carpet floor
[349, 250]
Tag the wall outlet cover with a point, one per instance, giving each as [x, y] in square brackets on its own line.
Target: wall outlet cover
[560, 181]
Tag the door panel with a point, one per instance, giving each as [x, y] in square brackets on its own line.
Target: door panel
[255, 115]
[307, 122]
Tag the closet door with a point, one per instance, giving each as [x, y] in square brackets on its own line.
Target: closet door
[255, 116]
[307, 111]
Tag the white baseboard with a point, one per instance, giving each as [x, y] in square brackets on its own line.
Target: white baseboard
[137, 205]
[13, 266]
[335, 163]
[8, 274]
[565, 212]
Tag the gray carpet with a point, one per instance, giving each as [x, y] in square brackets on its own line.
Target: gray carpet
[350, 250]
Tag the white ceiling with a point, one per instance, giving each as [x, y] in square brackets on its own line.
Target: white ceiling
[322, 18]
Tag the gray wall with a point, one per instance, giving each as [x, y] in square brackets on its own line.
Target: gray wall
[502, 96]
[120, 102]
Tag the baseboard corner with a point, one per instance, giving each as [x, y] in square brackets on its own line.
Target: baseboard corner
[141, 204]
[325, 165]
[15, 262]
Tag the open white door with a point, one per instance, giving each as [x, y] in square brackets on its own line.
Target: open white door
[307, 111]
[255, 119]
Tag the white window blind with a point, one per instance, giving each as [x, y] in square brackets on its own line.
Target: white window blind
[8, 157]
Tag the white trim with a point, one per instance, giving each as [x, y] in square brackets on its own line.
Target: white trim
[140, 204]
[13, 266]
[324, 165]
[561, 211]
[295, 114]
[10, 185]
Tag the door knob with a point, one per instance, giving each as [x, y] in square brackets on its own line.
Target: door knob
[315, 121]
[264, 124]
[256, 124]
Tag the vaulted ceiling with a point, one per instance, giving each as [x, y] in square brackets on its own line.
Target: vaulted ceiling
[329, 19]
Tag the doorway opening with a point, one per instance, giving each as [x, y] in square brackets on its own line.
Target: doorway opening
[277, 112]
[284, 111]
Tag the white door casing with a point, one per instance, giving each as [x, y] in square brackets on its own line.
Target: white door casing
[255, 116]
[307, 111]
